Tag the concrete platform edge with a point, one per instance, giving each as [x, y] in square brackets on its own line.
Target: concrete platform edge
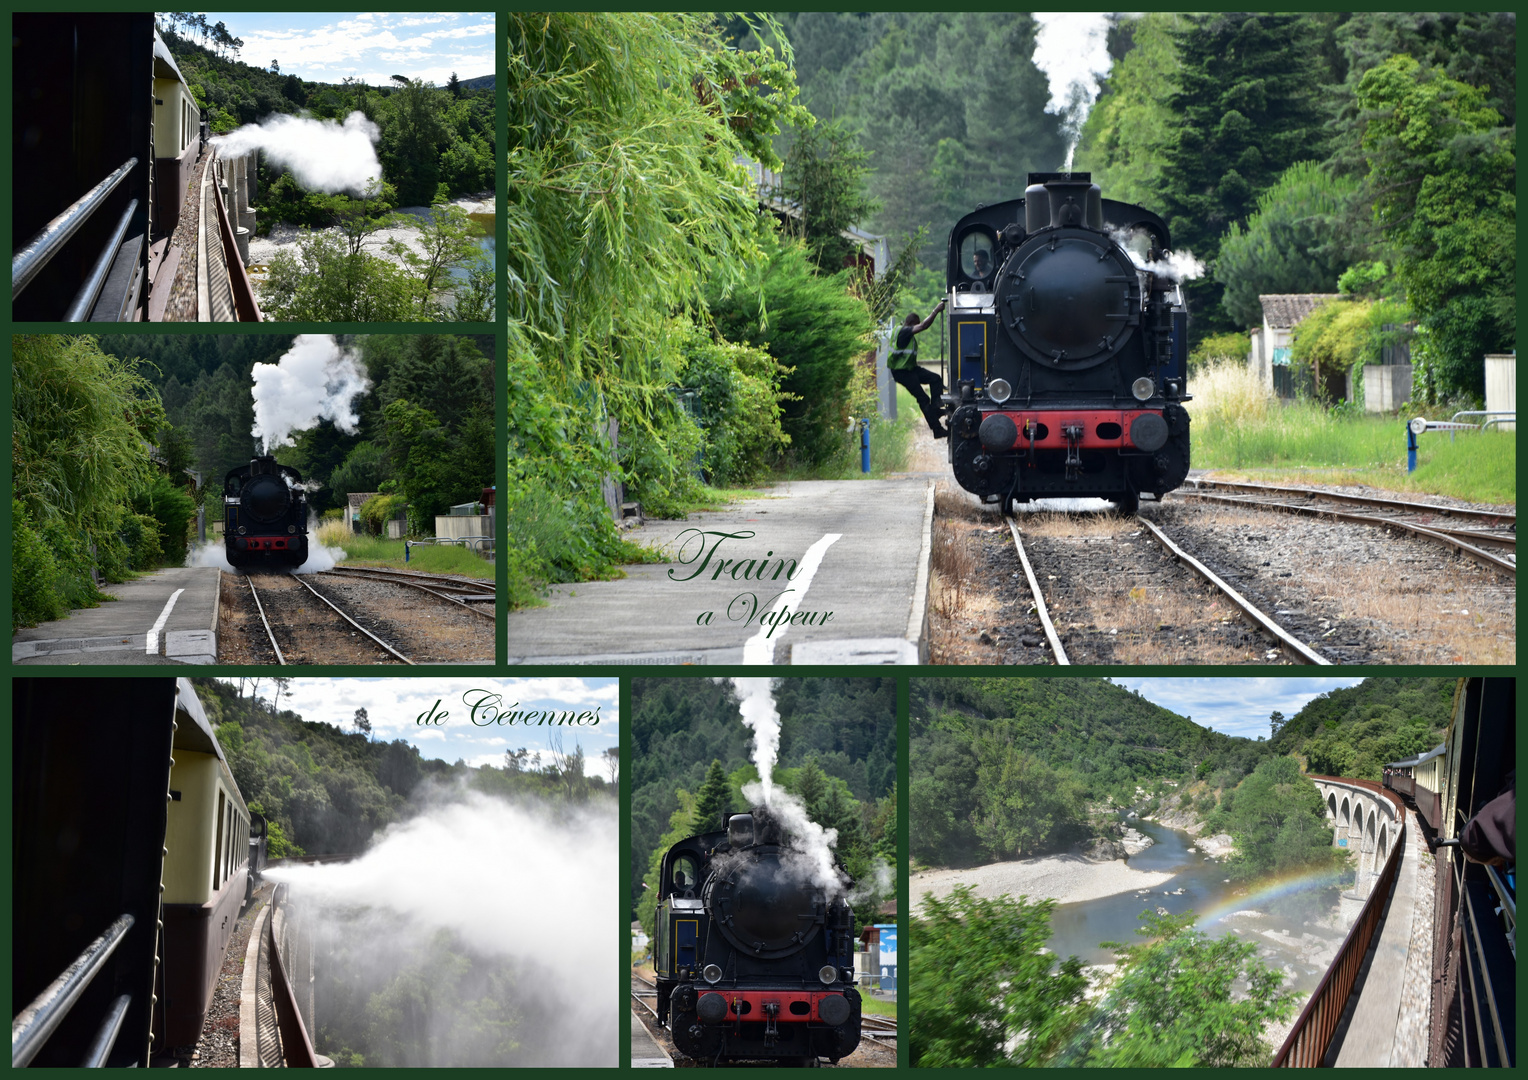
[917, 622]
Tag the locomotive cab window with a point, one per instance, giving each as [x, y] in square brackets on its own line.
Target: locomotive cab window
[978, 261]
[685, 873]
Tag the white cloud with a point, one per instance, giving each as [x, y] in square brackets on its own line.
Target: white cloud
[1235, 706]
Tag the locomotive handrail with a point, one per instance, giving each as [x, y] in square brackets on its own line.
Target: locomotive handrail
[84, 300]
[1311, 1036]
[32, 1026]
[27, 263]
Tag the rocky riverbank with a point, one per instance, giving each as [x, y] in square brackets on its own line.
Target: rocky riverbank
[283, 236]
[1066, 879]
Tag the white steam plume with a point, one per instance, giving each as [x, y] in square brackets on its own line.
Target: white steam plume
[810, 847]
[323, 155]
[528, 893]
[757, 702]
[1072, 49]
[316, 380]
[1173, 266]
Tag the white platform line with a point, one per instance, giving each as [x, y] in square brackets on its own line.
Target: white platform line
[164, 617]
[760, 649]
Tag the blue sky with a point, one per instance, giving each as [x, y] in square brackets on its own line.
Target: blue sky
[1235, 706]
[393, 706]
[372, 46]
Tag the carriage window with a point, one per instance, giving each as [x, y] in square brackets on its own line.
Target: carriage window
[684, 872]
[976, 257]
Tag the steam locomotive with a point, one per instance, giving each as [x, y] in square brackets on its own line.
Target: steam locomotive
[134, 854]
[265, 515]
[1068, 340]
[752, 960]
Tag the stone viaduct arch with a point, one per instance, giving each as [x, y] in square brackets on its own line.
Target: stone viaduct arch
[1364, 822]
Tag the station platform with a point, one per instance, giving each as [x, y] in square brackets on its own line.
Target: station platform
[645, 1051]
[811, 572]
[167, 617]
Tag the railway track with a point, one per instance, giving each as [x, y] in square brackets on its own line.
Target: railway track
[473, 595]
[1491, 541]
[880, 1031]
[1285, 642]
[281, 656]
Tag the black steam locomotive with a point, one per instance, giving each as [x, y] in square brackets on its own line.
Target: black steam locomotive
[752, 961]
[1068, 347]
[265, 515]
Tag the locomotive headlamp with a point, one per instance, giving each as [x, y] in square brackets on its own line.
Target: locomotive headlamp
[291, 528]
[712, 974]
[241, 530]
[1142, 388]
[828, 975]
[999, 390]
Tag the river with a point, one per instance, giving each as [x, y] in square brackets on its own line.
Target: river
[1294, 924]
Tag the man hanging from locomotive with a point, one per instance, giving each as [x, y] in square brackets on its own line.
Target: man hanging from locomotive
[1068, 344]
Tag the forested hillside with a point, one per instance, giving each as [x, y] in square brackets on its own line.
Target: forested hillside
[1006, 767]
[1373, 152]
[690, 760]
[327, 786]
[430, 136]
[426, 421]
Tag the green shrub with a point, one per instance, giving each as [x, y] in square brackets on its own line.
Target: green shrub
[34, 574]
[378, 510]
[140, 533]
[737, 405]
[174, 511]
[1216, 347]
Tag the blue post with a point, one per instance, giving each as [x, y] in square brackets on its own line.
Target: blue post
[405, 551]
[1411, 450]
[864, 446]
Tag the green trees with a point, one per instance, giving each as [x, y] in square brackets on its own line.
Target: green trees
[986, 993]
[1442, 175]
[1123, 135]
[627, 204]
[1185, 999]
[332, 278]
[814, 329]
[1293, 243]
[82, 425]
[1245, 109]
[824, 175]
[1279, 821]
[979, 974]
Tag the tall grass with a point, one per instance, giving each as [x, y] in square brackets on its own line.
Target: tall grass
[426, 558]
[890, 448]
[1239, 426]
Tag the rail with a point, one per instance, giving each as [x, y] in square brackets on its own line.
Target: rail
[34, 1024]
[1311, 1036]
[27, 263]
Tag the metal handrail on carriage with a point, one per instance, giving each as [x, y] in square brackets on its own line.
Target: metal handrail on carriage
[32, 1026]
[27, 263]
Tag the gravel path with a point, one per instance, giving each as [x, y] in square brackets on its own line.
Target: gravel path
[218, 1048]
[1066, 879]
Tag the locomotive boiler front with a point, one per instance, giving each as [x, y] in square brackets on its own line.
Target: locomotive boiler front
[265, 511]
[1069, 347]
[754, 958]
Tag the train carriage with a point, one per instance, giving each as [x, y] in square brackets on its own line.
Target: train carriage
[126, 816]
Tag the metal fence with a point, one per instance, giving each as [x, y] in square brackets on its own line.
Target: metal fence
[1311, 1036]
